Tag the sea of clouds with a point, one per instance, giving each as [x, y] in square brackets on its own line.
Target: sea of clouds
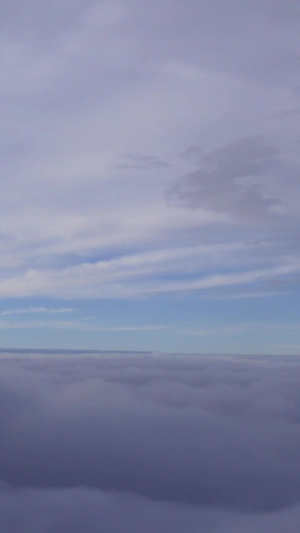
[142, 443]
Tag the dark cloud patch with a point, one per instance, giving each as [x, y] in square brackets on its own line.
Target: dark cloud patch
[231, 179]
[17, 21]
[142, 162]
[83, 509]
[287, 11]
[168, 440]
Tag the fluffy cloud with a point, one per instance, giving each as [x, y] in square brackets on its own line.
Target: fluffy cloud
[175, 443]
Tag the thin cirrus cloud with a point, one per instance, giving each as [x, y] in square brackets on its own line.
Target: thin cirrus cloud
[242, 327]
[38, 310]
[76, 326]
[81, 281]
[134, 137]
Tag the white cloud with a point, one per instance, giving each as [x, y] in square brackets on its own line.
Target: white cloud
[134, 276]
[38, 310]
[76, 325]
[243, 327]
[81, 87]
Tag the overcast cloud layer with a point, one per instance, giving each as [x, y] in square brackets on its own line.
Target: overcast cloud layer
[179, 444]
[149, 151]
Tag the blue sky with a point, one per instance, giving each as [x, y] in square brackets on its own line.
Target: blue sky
[150, 175]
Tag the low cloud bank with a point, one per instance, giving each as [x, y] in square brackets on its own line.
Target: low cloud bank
[169, 443]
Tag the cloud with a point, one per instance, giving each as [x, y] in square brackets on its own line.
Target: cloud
[142, 162]
[137, 275]
[104, 106]
[242, 327]
[82, 509]
[231, 180]
[246, 295]
[172, 442]
[76, 325]
[38, 310]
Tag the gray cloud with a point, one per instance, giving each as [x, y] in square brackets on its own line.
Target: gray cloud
[142, 162]
[82, 83]
[231, 179]
[179, 439]
[84, 509]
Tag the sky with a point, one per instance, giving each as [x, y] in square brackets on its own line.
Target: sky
[150, 175]
[171, 444]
